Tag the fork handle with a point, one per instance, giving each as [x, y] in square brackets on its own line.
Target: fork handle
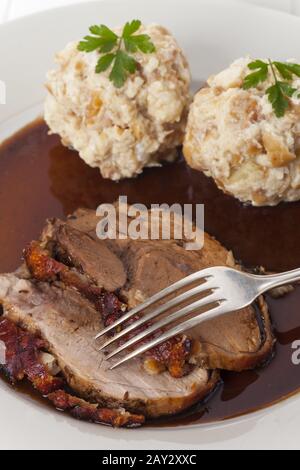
[278, 280]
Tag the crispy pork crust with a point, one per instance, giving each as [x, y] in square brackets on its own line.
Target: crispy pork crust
[81, 409]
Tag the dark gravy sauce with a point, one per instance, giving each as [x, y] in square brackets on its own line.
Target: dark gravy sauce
[39, 178]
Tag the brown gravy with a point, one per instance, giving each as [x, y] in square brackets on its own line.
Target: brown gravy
[39, 178]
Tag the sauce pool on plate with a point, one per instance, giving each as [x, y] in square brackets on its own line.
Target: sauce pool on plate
[39, 178]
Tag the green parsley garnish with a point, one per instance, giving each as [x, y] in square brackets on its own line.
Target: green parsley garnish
[116, 50]
[282, 90]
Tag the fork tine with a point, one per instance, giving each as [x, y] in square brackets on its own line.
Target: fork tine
[166, 321]
[185, 326]
[206, 286]
[204, 274]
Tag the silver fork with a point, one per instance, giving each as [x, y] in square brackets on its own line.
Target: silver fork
[225, 290]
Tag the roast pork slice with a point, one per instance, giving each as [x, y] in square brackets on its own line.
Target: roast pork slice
[68, 324]
[238, 341]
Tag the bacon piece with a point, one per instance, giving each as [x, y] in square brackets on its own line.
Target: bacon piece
[83, 410]
[22, 357]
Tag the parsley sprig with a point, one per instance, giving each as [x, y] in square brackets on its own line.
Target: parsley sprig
[116, 50]
[282, 73]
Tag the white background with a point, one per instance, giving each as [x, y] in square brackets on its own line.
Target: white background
[10, 9]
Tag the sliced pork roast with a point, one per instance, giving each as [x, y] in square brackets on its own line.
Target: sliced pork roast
[74, 284]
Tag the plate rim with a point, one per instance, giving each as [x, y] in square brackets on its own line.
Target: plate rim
[257, 415]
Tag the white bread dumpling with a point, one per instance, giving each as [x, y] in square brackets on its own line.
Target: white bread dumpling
[234, 136]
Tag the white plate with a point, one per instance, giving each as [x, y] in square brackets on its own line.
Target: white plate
[213, 33]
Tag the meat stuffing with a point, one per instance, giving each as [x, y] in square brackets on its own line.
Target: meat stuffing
[171, 356]
[68, 323]
[234, 136]
[74, 284]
